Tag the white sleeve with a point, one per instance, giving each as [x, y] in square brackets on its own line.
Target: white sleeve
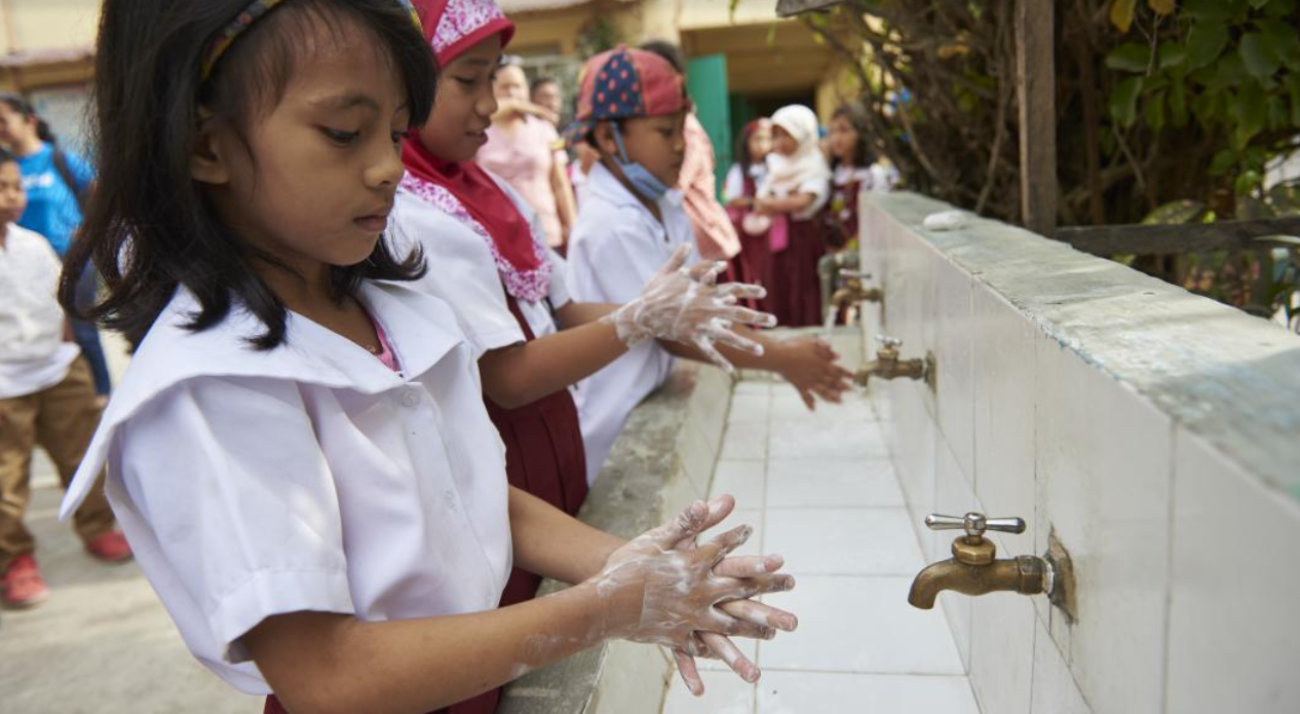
[821, 191]
[238, 502]
[606, 269]
[734, 186]
[461, 271]
[561, 294]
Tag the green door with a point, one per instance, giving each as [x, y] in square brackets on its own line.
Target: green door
[707, 84]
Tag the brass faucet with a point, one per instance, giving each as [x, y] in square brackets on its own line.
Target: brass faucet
[887, 365]
[853, 291]
[974, 569]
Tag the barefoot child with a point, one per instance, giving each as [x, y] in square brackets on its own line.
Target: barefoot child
[47, 397]
[531, 340]
[299, 453]
[632, 109]
[796, 188]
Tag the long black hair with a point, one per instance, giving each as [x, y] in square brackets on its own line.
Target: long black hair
[856, 116]
[150, 227]
[24, 108]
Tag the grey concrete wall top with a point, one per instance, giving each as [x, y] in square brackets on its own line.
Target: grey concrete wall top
[1229, 377]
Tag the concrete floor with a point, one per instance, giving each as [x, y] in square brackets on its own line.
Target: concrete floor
[102, 643]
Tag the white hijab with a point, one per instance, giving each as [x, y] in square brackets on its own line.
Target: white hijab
[806, 171]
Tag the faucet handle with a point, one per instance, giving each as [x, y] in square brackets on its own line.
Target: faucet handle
[974, 524]
[859, 274]
[887, 341]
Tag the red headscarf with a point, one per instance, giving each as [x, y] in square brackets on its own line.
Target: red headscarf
[453, 26]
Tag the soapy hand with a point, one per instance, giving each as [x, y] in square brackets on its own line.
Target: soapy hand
[688, 306]
[664, 588]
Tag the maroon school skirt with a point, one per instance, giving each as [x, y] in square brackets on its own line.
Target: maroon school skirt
[545, 457]
[796, 289]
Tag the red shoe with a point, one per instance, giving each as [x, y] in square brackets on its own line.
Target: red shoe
[22, 585]
[110, 547]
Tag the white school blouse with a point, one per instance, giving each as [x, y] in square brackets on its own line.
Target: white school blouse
[463, 271]
[307, 478]
[33, 355]
[616, 247]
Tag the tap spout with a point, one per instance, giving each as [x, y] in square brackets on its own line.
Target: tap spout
[1026, 574]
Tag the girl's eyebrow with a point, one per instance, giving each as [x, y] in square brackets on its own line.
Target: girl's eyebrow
[347, 101]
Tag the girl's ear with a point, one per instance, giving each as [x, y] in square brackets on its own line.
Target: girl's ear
[208, 162]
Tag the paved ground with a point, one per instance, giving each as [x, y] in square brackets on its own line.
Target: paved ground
[102, 643]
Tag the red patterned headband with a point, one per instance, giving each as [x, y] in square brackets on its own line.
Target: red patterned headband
[251, 14]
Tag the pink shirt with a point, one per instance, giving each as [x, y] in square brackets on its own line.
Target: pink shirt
[524, 159]
[714, 234]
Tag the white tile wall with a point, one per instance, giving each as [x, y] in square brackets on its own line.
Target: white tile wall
[744, 479]
[1234, 621]
[724, 693]
[1002, 650]
[1005, 358]
[956, 327]
[810, 439]
[1103, 462]
[1054, 689]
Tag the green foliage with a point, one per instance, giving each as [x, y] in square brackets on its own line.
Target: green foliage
[1231, 67]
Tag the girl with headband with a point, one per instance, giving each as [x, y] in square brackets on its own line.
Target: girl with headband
[299, 453]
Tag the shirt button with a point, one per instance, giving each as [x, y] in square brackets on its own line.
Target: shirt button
[411, 399]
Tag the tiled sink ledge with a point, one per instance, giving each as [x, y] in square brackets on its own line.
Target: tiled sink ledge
[1155, 432]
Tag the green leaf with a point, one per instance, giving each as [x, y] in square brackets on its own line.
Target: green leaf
[1176, 213]
[1228, 72]
[1123, 101]
[1162, 7]
[1205, 42]
[1258, 55]
[1247, 182]
[1222, 161]
[1172, 54]
[1280, 8]
[1121, 13]
[1250, 112]
[1207, 9]
[1155, 111]
[1277, 113]
[1283, 41]
[1130, 57]
[1206, 108]
[1178, 103]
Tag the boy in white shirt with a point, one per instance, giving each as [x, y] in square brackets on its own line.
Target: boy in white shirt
[632, 109]
[47, 397]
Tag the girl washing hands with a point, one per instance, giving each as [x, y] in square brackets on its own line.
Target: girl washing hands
[299, 453]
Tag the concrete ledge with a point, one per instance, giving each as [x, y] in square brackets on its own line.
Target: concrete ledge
[663, 461]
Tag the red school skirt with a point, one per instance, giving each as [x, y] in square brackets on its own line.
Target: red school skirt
[796, 291]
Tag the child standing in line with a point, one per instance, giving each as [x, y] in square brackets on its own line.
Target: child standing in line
[58, 184]
[854, 170]
[796, 188]
[754, 263]
[47, 397]
[299, 452]
[632, 109]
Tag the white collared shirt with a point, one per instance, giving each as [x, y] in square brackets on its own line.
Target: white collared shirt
[463, 272]
[33, 355]
[306, 478]
[616, 247]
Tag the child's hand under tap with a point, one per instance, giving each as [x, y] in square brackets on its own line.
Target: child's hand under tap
[687, 306]
[664, 588]
[812, 367]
